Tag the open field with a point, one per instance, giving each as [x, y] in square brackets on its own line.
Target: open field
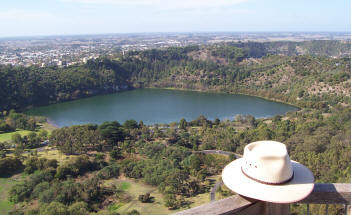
[6, 137]
[54, 154]
[48, 153]
[5, 186]
[135, 188]
[5, 206]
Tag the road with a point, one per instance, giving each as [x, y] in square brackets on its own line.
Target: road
[214, 190]
[219, 152]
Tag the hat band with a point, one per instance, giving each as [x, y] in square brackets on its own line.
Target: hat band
[268, 183]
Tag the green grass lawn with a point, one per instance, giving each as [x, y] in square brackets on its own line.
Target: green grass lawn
[135, 188]
[124, 185]
[5, 186]
[7, 136]
[115, 206]
[5, 206]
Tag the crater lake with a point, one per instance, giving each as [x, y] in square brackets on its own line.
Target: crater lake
[158, 106]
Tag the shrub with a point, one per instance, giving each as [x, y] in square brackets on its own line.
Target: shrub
[9, 165]
[74, 167]
[78, 208]
[19, 192]
[116, 154]
[54, 208]
[22, 191]
[69, 193]
[39, 189]
[35, 163]
[145, 198]
[130, 124]
[109, 172]
[49, 195]
[133, 212]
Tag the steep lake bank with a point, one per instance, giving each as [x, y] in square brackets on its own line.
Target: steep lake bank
[158, 106]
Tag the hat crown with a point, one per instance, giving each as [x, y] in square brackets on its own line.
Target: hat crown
[267, 162]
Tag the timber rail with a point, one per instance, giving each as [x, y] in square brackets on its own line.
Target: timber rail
[238, 205]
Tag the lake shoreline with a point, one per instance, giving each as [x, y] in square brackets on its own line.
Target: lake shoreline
[170, 88]
[48, 121]
[160, 106]
[221, 92]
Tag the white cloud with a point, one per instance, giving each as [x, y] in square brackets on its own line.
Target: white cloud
[168, 4]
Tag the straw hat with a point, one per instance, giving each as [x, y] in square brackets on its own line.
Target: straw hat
[266, 173]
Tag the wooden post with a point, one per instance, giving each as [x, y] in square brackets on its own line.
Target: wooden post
[275, 209]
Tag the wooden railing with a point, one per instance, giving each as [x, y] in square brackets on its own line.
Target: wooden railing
[238, 205]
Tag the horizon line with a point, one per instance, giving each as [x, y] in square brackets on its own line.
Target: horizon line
[173, 32]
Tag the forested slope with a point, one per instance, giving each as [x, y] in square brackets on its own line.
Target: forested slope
[168, 156]
[306, 80]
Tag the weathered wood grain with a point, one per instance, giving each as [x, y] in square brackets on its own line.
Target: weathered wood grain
[226, 206]
[237, 205]
[329, 194]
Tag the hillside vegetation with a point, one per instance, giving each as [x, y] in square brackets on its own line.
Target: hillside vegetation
[252, 68]
[98, 158]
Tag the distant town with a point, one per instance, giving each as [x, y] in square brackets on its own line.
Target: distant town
[64, 51]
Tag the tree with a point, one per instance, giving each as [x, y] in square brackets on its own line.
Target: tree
[16, 139]
[19, 192]
[183, 124]
[116, 153]
[301, 93]
[217, 121]
[43, 134]
[251, 120]
[33, 140]
[193, 162]
[171, 201]
[78, 208]
[2, 150]
[4, 127]
[238, 118]
[130, 124]
[109, 172]
[9, 165]
[129, 146]
[172, 135]
[111, 132]
[193, 187]
[92, 190]
[141, 124]
[19, 151]
[76, 139]
[54, 208]
[34, 163]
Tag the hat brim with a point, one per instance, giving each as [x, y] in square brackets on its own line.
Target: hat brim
[295, 190]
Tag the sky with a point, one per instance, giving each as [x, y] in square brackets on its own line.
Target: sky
[71, 17]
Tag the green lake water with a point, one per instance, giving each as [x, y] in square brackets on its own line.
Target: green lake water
[158, 106]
